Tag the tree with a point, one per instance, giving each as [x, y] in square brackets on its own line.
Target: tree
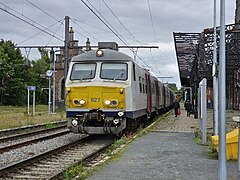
[39, 68]
[12, 74]
[173, 87]
[16, 75]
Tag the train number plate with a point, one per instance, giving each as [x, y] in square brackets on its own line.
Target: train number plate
[95, 99]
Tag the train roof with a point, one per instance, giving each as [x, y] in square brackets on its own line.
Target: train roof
[108, 54]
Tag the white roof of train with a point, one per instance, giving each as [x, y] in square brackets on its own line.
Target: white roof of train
[108, 54]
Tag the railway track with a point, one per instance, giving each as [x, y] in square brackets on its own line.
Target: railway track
[19, 140]
[51, 164]
[26, 129]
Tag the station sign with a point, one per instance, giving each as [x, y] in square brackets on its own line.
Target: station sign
[32, 88]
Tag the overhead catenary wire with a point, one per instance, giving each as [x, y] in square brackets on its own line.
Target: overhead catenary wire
[58, 20]
[105, 22]
[121, 23]
[150, 13]
[24, 20]
[61, 21]
[55, 32]
[102, 29]
[151, 18]
[154, 32]
[42, 10]
[34, 22]
[75, 22]
[110, 27]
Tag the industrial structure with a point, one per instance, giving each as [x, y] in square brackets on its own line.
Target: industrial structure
[195, 61]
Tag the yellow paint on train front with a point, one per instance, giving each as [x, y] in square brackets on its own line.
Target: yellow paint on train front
[95, 97]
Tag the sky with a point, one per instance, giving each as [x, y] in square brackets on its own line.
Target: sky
[136, 22]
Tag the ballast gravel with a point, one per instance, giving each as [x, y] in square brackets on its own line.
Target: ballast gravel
[32, 137]
[25, 152]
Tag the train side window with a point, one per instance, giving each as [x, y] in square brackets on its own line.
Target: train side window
[134, 72]
[140, 85]
[143, 86]
[153, 88]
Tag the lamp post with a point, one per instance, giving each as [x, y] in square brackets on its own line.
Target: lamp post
[222, 162]
[214, 74]
[54, 78]
[49, 74]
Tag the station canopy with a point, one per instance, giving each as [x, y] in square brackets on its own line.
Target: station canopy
[194, 53]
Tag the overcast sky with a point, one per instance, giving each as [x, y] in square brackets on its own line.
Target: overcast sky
[168, 16]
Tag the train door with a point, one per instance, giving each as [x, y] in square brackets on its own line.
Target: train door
[149, 93]
[164, 97]
[157, 94]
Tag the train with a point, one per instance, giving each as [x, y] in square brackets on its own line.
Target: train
[108, 92]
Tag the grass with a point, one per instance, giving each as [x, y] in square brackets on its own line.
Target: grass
[11, 117]
[212, 153]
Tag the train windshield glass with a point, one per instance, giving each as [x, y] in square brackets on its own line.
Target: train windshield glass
[83, 71]
[116, 71]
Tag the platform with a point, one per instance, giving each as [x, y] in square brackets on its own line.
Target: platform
[167, 153]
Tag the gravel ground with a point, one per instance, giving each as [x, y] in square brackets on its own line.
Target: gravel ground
[17, 140]
[16, 155]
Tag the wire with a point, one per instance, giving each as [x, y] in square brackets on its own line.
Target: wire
[83, 30]
[150, 13]
[37, 34]
[42, 10]
[154, 32]
[112, 29]
[32, 24]
[104, 30]
[55, 32]
[121, 22]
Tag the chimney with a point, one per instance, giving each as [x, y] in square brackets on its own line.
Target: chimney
[88, 47]
[71, 34]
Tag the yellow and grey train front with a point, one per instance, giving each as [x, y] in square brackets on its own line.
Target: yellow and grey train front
[96, 92]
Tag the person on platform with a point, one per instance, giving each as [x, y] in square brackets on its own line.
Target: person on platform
[188, 107]
[176, 106]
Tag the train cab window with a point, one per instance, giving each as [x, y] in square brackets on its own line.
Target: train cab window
[114, 71]
[82, 71]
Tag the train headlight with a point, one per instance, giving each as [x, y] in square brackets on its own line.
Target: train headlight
[107, 102]
[120, 113]
[82, 102]
[74, 122]
[99, 53]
